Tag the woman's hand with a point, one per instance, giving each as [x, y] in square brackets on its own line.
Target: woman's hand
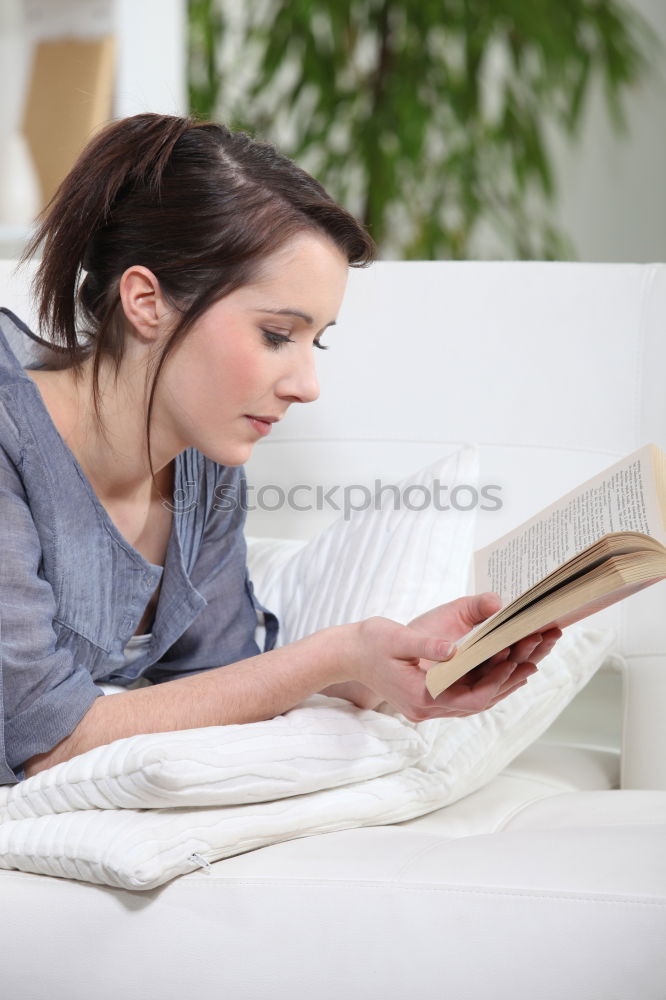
[510, 667]
[387, 661]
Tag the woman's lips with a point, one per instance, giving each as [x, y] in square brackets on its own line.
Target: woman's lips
[260, 425]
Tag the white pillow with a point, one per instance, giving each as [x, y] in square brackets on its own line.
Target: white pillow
[387, 561]
[140, 848]
[323, 743]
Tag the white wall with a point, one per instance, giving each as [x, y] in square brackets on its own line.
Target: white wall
[152, 51]
[612, 200]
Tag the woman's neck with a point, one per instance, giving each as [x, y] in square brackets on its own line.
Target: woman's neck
[113, 456]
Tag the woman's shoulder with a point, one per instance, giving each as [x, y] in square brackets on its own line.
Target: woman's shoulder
[11, 336]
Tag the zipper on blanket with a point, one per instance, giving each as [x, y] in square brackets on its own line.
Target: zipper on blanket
[200, 861]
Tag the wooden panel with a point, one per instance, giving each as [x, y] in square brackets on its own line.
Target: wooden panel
[70, 95]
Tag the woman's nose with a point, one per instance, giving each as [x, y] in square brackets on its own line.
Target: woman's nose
[300, 384]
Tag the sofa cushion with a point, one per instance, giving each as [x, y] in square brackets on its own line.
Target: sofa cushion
[397, 557]
[380, 912]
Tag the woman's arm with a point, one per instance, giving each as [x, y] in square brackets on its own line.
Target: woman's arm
[257, 688]
[377, 654]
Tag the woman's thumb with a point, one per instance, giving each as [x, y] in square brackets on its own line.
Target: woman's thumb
[435, 649]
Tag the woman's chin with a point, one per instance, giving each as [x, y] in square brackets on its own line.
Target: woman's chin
[238, 455]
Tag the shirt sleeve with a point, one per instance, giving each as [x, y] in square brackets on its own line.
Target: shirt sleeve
[224, 630]
[44, 694]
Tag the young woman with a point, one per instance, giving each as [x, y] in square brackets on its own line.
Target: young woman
[187, 274]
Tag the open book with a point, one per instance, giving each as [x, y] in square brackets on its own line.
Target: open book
[597, 545]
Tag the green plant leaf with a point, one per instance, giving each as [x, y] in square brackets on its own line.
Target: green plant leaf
[429, 112]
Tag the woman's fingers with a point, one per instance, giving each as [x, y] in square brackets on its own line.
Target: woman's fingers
[420, 647]
[475, 609]
[548, 641]
[476, 696]
[524, 650]
[509, 691]
[400, 642]
[520, 675]
[519, 653]
[496, 678]
[532, 648]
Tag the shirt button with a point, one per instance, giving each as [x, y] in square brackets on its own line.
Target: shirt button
[147, 582]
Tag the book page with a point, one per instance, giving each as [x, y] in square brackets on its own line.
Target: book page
[622, 498]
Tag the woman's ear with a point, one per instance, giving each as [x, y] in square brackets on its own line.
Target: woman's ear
[143, 303]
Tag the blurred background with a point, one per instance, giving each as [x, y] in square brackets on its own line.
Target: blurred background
[483, 129]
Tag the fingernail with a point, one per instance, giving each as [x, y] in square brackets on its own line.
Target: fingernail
[445, 649]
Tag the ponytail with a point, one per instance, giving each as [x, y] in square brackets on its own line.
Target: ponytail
[123, 156]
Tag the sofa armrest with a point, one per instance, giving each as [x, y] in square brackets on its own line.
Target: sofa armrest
[644, 723]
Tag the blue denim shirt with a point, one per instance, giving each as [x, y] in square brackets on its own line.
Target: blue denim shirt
[73, 590]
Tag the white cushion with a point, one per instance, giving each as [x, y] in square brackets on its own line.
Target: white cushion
[324, 743]
[379, 561]
[143, 848]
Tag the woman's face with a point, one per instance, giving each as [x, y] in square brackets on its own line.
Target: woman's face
[252, 354]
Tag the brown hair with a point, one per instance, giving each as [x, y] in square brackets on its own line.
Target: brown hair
[199, 205]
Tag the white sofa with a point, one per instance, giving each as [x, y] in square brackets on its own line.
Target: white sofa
[550, 880]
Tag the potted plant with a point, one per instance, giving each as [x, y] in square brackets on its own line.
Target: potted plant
[428, 118]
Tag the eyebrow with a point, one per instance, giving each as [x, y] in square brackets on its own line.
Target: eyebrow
[296, 312]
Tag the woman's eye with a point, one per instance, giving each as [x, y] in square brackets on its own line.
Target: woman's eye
[276, 340]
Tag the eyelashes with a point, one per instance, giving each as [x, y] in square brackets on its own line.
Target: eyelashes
[277, 340]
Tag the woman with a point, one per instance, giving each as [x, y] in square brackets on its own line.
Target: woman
[213, 266]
